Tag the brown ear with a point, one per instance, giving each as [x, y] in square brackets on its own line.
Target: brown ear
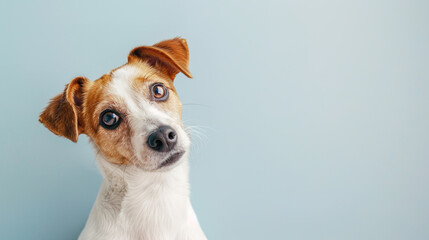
[169, 56]
[61, 116]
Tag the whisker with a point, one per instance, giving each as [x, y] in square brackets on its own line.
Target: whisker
[197, 131]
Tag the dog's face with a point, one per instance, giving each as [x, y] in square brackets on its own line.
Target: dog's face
[132, 114]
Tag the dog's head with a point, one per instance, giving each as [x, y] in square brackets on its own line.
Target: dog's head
[133, 114]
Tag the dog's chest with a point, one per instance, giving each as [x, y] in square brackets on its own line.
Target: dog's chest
[150, 216]
[149, 207]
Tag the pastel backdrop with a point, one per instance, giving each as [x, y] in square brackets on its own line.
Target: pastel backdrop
[311, 117]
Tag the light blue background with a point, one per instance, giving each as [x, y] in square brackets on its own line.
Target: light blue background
[313, 115]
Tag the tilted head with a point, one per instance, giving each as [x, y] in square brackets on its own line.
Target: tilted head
[132, 114]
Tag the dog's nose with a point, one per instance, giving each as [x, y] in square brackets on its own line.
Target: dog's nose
[163, 139]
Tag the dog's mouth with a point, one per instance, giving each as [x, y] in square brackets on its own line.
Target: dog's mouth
[173, 158]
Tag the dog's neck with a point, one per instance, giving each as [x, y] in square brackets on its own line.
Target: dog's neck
[134, 181]
[141, 205]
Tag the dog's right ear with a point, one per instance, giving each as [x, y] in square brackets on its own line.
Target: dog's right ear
[61, 116]
[169, 56]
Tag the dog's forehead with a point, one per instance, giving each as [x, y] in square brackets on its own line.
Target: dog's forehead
[130, 77]
[121, 83]
[125, 81]
[128, 84]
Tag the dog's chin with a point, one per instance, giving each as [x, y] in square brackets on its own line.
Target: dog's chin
[162, 162]
[166, 162]
[171, 160]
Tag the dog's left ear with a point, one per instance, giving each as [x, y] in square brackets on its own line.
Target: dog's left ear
[169, 56]
[62, 114]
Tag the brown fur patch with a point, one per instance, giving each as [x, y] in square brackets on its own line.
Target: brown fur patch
[115, 144]
[142, 84]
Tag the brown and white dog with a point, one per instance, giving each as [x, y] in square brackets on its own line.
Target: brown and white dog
[132, 115]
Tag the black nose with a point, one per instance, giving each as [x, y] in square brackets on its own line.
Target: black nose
[163, 139]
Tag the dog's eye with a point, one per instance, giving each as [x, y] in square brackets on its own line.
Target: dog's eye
[109, 119]
[159, 92]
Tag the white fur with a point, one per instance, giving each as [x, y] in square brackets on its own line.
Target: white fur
[135, 201]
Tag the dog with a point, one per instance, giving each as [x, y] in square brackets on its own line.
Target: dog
[132, 116]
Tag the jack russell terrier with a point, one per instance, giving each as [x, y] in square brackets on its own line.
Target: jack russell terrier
[132, 115]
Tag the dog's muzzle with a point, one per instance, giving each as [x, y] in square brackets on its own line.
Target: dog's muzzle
[162, 139]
